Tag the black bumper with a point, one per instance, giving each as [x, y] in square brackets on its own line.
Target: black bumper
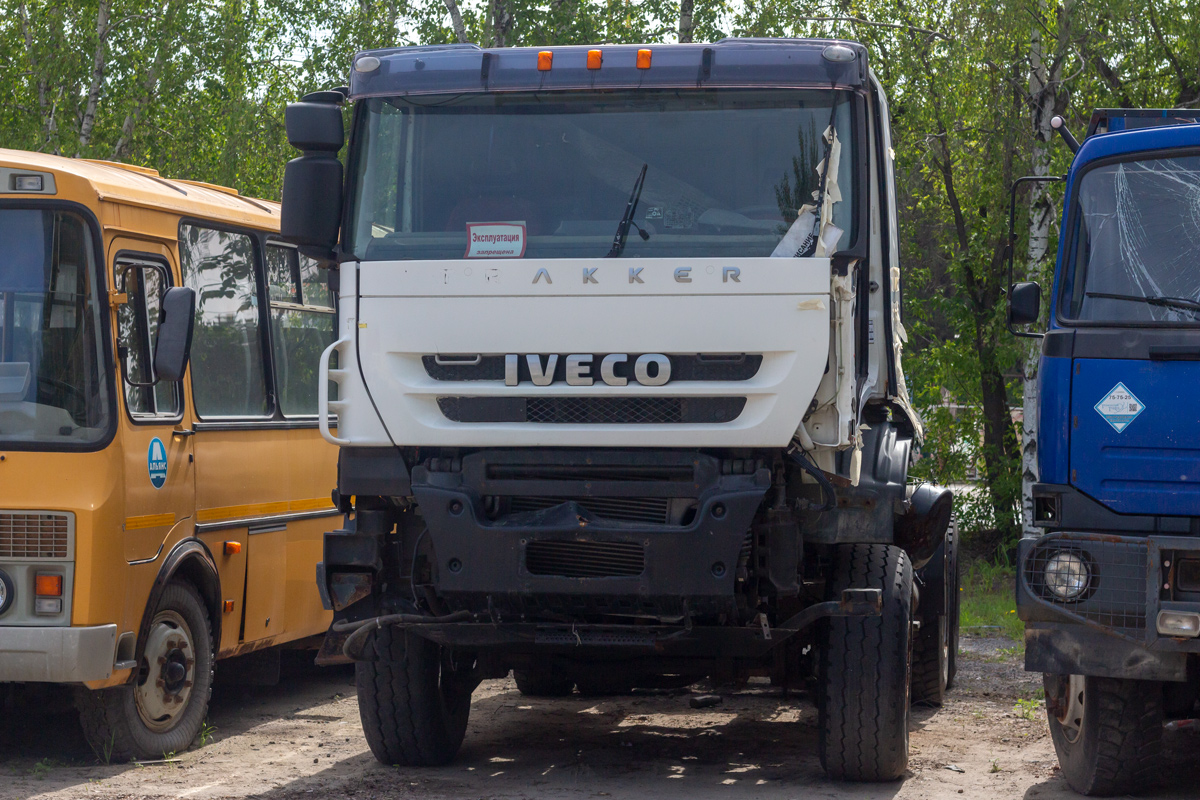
[564, 560]
[1111, 629]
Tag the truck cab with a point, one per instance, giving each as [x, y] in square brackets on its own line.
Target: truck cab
[1110, 588]
[618, 384]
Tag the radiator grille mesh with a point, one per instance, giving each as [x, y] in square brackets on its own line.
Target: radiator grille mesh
[24, 535]
[585, 559]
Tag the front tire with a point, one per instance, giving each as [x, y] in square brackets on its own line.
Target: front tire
[162, 711]
[1107, 732]
[866, 669]
[413, 704]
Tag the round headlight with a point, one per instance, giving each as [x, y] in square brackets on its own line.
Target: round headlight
[1067, 575]
[6, 591]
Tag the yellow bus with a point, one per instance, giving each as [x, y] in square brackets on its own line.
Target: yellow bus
[163, 484]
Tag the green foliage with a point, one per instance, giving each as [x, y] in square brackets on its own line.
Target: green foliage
[197, 90]
[987, 602]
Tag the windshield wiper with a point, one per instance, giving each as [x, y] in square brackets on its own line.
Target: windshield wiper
[618, 245]
[1181, 303]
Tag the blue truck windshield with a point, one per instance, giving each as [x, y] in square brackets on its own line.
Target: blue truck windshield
[549, 175]
[52, 372]
[1137, 248]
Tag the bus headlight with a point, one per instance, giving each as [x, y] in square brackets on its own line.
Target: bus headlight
[6, 591]
[1067, 575]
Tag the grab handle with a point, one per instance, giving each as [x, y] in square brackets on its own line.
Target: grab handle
[324, 404]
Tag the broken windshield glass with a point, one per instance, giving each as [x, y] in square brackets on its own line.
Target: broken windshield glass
[1138, 240]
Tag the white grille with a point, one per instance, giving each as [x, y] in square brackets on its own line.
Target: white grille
[34, 535]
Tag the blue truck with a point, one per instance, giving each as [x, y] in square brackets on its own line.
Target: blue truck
[1109, 588]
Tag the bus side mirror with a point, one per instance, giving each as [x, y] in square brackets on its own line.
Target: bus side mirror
[312, 183]
[1024, 303]
[175, 323]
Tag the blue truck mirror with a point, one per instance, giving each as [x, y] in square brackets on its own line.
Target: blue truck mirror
[1024, 303]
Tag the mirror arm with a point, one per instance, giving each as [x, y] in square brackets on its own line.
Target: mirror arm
[1010, 248]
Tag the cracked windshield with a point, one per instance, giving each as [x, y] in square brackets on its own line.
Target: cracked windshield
[1139, 233]
[704, 173]
[51, 385]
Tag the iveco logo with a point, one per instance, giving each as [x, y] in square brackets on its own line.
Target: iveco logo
[582, 369]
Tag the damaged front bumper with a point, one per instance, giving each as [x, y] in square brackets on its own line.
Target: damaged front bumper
[1118, 621]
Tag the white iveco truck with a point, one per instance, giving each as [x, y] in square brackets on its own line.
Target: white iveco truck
[618, 385]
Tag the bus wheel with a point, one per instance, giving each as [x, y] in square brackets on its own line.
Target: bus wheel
[163, 709]
[865, 671]
[413, 705]
[1107, 732]
[542, 684]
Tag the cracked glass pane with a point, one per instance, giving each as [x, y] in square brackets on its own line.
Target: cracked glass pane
[1137, 254]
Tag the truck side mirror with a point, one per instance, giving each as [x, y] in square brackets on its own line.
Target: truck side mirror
[175, 324]
[312, 183]
[1024, 303]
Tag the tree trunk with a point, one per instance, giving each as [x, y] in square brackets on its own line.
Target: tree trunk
[502, 23]
[1047, 98]
[685, 20]
[97, 84]
[456, 21]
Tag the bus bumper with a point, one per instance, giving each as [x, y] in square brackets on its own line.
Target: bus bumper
[57, 655]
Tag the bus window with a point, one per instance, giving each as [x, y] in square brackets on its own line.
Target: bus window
[137, 332]
[228, 378]
[52, 390]
[302, 325]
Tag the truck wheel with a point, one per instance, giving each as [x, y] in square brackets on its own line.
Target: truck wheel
[954, 594]
[1107, 732]
[413, 707]
[936, 639]
[542, 684]
[163, 709]
[865, 669]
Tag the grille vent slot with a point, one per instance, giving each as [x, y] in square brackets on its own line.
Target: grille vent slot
[26, 535]
[655, 510]
[593, 410]
[585, 559]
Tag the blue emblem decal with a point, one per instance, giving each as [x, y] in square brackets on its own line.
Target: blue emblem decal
[156, 462]
[1119, 407]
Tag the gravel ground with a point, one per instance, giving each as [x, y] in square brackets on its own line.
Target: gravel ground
[302, 739]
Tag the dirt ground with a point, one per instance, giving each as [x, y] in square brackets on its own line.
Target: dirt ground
[302, 739]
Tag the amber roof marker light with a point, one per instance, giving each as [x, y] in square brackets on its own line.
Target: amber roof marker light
[643, 59]
[545, 60]
[594, 59]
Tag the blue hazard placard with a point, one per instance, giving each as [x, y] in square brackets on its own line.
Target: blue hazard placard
[156, 462]
[1119, 407]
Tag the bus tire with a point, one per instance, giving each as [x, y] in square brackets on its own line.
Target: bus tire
[162, 710]
[414, 710]
[542, 684]
[863, 697]
[1107, 732]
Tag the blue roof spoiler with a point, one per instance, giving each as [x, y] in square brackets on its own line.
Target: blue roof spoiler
[741, 63]
[1110, 120]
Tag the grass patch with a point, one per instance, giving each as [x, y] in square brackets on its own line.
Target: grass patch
[988, 601]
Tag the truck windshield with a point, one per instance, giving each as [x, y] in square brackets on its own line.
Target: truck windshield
[550, 175]
[1137, 250]
[52, 378]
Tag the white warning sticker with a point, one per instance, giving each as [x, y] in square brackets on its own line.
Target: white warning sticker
[1119, 407]
[495, 240]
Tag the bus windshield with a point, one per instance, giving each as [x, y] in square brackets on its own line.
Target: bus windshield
[550, 175]
[52, 378]
[1137, 244]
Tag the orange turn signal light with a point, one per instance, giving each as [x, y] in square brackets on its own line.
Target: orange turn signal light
[594, 59]
[228, 607]
[545, 60]
[48, 585]
[232, 547]
[643, 59]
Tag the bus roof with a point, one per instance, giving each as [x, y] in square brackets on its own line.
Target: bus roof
[129, 184]
[742, 63]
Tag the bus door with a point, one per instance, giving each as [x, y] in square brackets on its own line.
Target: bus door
[242, 465]
[159, 470]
